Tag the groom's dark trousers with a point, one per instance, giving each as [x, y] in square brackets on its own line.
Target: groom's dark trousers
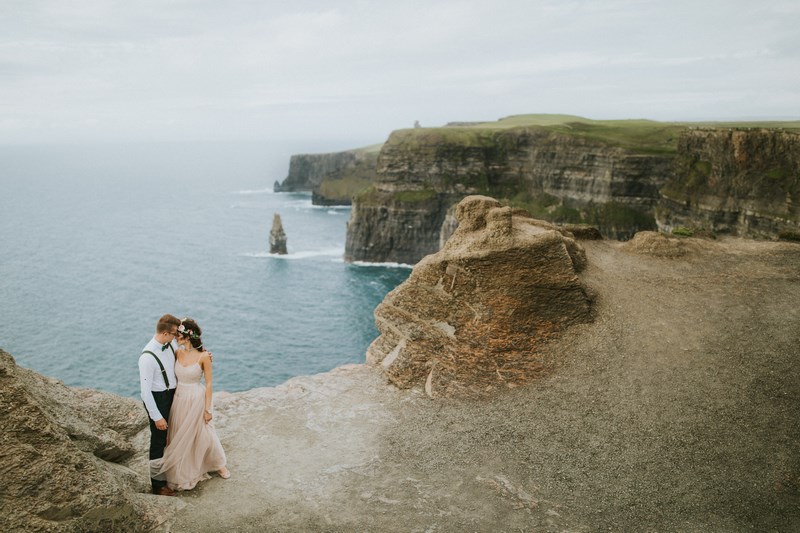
[158, 438]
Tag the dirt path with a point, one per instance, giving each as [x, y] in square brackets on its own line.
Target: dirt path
[675, 411]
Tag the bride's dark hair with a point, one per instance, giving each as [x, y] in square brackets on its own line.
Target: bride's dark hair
[190, 329]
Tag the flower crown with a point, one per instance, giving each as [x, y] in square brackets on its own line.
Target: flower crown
[183, 330]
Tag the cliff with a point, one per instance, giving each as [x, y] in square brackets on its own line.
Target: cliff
[333, 178]
[675, 409]
[569, 173]
[734, 181]
[569, 170]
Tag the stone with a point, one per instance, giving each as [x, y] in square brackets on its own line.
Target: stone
[63, 454]
[475, 315]
[277, 237]
[583, 232]
[656, 244]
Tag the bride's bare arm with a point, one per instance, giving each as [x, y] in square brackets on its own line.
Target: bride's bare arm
[205, 362]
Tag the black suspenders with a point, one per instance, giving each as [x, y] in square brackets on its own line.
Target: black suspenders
[161, 366]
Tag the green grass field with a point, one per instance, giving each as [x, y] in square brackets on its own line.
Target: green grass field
[646, 136]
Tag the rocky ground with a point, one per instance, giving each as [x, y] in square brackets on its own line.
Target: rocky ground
[675, 410]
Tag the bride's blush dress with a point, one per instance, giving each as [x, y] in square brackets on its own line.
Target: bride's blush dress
[193, 447]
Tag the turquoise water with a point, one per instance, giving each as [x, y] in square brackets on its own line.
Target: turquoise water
[99, 241]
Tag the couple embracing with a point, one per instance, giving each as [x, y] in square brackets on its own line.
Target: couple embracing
[184, 446]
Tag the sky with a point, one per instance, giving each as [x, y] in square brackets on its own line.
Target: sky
[178, 70]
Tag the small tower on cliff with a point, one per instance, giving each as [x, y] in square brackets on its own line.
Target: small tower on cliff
[277, 237]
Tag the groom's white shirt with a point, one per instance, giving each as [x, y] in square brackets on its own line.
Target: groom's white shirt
[150, 378]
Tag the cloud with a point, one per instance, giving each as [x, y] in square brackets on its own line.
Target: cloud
[259, 69]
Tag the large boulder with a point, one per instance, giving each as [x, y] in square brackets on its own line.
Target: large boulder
[62, 458]
[475, 315]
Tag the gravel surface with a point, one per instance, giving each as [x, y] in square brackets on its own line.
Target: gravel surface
[676, 410]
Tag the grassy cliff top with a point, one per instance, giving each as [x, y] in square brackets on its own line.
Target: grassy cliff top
[556, 120]
[640, 135]
[371, 149]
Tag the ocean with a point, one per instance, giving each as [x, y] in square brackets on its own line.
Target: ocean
[98, 241]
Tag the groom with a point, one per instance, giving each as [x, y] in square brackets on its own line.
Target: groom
[157, 381]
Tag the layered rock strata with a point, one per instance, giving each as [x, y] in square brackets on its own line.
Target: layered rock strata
[743, 182]
[739, 181]
[63, 453]
[473, 316]
[388, 226]
[423, 173]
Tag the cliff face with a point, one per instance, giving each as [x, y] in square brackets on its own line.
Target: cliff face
[741, 182]
[64, 457]
[306, 171]
[422, 173]
[333, 178]
[395, 227]
[620, 176]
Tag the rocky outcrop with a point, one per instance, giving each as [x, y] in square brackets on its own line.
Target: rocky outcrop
[474, 316]
[332, 178]
[277, 237]
[742, 182]
[62, 458]
[422, 173]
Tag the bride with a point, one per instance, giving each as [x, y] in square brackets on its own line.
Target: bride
[193, 447]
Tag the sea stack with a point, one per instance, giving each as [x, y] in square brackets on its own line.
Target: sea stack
[277, 237]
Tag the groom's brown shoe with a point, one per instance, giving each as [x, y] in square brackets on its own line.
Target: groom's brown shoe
[165, 491]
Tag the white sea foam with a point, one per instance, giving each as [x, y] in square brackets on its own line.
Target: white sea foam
[267, 190]
[299, 205]
[385, 265]
[305, 254]
[331, 207]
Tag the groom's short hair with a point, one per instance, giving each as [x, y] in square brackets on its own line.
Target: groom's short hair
[166, 323]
